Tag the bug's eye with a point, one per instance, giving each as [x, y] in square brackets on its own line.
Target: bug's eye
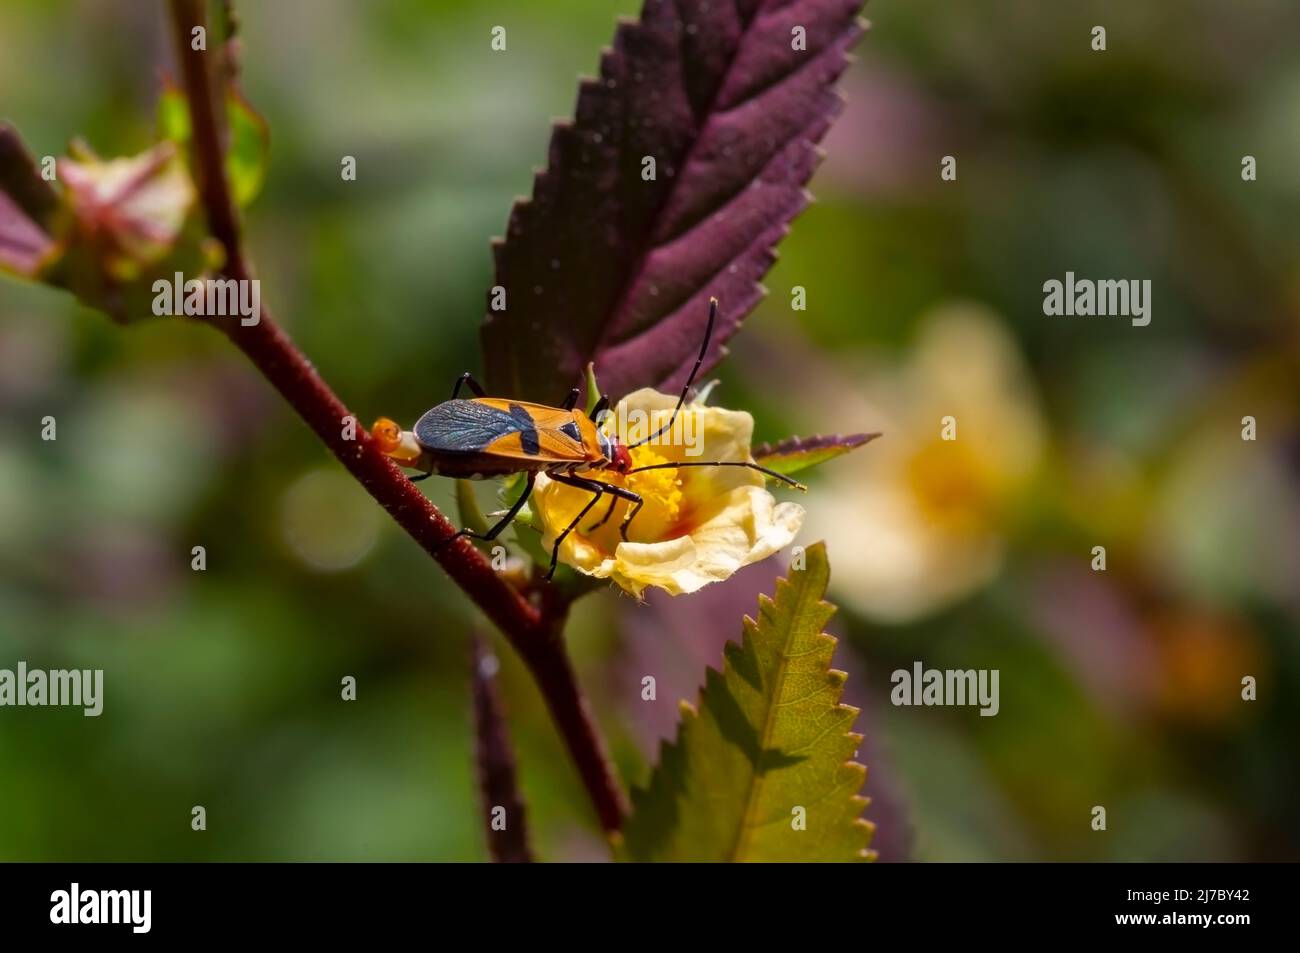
[387, 434]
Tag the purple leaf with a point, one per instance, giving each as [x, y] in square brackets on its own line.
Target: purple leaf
[799, 453]
[27, 207]
[22, 243]
[603, 264]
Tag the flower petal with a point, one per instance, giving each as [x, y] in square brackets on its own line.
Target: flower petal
[749, 528]
[726, 519]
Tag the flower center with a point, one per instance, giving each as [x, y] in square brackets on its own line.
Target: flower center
[660, 517]
[660, 489]
[952, 486]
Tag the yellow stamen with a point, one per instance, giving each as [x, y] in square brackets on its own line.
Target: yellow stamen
[661, 489]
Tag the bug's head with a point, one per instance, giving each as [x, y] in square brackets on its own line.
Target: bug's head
[617, 456]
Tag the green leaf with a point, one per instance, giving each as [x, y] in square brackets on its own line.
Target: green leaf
[799, 453]
[249, 139]
[249, 150]
[769, 738]
[471, 517]
[173, 116]
[593, 388]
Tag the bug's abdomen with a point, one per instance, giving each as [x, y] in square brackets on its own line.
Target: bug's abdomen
[474, 466]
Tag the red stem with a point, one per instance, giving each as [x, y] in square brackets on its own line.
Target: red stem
[549, 664]
[554, 675]
[274, 354]
[535, 635]
[495, 758]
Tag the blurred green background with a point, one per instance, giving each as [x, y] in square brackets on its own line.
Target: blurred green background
[1119, 688]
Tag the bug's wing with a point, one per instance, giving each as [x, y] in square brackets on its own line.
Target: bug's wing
[559, 436]
[464, 426]
[539, 444]
[557, 445]
[545, 434]
[507, 429]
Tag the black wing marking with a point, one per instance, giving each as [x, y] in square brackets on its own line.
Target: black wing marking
[527, 429]
[463, 426]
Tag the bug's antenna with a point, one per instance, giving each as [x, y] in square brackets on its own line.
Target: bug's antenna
[724, 463]
[708, 333]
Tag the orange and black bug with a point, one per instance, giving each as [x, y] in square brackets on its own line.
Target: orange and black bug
[483, 437]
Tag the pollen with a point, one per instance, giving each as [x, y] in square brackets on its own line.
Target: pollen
[661, 489]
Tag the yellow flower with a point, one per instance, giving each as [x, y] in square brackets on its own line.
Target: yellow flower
[930, 507]
[698, 524]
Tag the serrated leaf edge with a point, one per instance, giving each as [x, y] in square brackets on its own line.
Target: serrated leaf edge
[690, 712]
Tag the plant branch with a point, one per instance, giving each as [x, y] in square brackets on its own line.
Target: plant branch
[534, 633]
[495, 759]
[548, 661]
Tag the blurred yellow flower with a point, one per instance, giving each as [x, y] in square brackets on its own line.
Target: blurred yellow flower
[698, 525]
[927, 513]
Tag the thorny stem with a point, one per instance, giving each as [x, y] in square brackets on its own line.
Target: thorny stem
[535, 633]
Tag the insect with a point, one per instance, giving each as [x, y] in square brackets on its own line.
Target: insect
[483, 437]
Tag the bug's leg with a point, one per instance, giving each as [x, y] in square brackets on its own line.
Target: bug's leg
[631, 515]
[502, 523]
[637, 502]
[571, 400]
[602, 405]
[422, 476]
[613, 500]
[467, 380]
[511, 513]
[598, 490]
[593, 486]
